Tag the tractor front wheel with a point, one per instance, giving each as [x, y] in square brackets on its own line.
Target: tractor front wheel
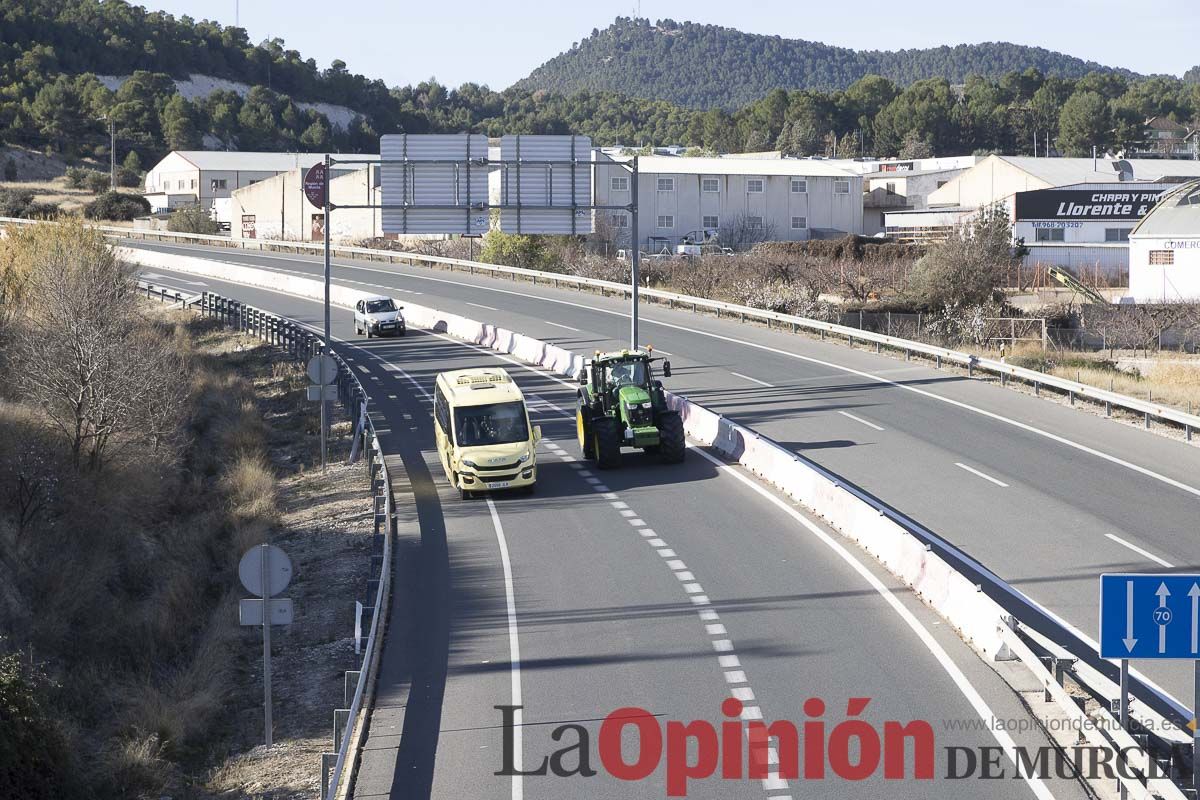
[670, 436]
[582, 430]
[606, 442]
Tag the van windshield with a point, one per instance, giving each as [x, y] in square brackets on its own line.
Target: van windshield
[496, 423]
[380, 306]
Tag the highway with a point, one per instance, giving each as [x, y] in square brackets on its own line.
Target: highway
[1046, 496]
[668, 588]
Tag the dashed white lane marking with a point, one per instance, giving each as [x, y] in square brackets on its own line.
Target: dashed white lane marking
[481, 305]
[979, 474]
[752, 380]
[1140, 551]
[558, 325]
[848, 415]
[363, 369]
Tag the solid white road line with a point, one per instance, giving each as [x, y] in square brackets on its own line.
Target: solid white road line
[935, 648]
[752, 380]
[1140, 551]
[481, 305]
[557, 325]
[860, 419]
[514, 648]
[977, 473]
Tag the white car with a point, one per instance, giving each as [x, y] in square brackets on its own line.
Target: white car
[378, 316]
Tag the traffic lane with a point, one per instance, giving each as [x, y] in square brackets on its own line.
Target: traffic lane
[1048, 534]
[600, 627]
[804, 624]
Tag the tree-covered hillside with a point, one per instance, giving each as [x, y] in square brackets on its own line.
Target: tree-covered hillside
[50, 99]
[706, 65]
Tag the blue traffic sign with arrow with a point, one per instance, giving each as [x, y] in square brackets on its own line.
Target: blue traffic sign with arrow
[1150, 616]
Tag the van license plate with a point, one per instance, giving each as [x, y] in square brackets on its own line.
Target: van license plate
[499, 484]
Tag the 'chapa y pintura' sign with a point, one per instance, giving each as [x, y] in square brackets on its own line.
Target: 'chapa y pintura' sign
[1086, 204]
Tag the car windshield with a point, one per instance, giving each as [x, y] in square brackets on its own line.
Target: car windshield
[380, 306]
[631, 373]
[496, 423]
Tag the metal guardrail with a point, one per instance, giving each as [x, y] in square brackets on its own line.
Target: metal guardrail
[1072, 389]
[337, 767]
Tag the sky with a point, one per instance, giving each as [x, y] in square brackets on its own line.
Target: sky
[497, 43]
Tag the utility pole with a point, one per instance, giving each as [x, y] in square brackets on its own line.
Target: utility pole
[112, 154]
[328, 349]
[635, 260]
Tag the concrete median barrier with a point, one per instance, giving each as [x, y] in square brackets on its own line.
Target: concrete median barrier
[976, 616]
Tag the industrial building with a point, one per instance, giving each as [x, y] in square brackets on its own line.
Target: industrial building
[1164, 249]
[683, 199]
[276, 208]
[1075, 213]
[197, 177]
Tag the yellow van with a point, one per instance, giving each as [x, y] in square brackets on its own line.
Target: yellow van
[484, 438]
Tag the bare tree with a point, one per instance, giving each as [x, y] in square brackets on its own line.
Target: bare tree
[104, 377]
[743, 231]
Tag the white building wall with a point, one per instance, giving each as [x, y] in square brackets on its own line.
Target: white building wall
[278, 209]
[1158, 283]
[685, 205]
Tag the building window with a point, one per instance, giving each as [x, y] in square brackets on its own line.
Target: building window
[666, 184]
[754, 185]
[754, 223]
[1162, 258]
[180, 184]
[799, 223]
[891, 187]
[619, 183]
[799, 186]
[666, 221]
[1116, 234]
[620, 221]
[193, 183]
[218, 183]
[841, 187]
[710, 185]
[1049, 235]
[711, 221]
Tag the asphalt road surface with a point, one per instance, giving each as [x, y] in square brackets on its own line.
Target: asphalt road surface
[666, 588]
[1046, 496]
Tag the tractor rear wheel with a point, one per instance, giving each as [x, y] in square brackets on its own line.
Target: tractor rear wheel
[606, 442]
[671, 446]
[582, 430]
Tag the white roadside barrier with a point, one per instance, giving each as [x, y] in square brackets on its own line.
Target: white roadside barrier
[984, 609]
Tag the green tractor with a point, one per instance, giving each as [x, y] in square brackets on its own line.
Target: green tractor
[622, 405]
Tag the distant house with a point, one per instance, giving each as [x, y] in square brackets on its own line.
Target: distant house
[1163, 137]
[197, 177]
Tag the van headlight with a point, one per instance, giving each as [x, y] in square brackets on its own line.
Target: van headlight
[469, 463]
[524, 457]
[646, 404]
